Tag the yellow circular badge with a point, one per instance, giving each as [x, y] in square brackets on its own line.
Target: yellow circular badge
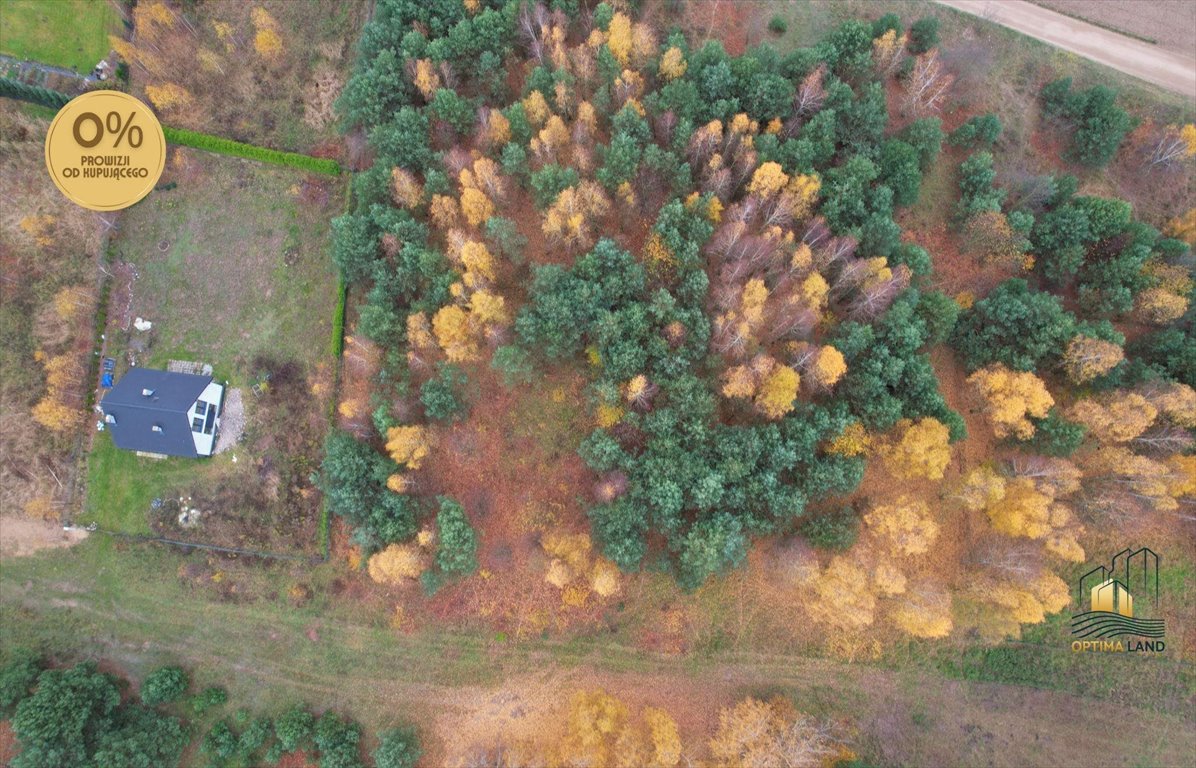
[105, 150]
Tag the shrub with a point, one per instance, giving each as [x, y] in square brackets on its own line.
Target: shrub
[441, 396]
[1100, 125]
[397, 748]
[17, 679]
[981, 130]
[458, 542]
[164, 685]
[293, 728]
[923, 35]
[777, 25]
[208, 698]
[836, 529]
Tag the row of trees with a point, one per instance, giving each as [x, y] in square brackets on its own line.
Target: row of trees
[80, 716]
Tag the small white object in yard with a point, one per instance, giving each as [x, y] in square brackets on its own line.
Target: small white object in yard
[234, 458]
[189, 518]
[142, 325]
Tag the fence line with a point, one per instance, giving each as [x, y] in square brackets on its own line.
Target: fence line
[311, 559]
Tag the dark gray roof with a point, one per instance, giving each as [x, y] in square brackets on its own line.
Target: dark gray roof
[136, 413]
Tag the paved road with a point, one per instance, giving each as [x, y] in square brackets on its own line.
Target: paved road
[1172, 71]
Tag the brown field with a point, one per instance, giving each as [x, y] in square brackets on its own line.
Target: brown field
[49, 259]
[1169, 23]
[264, 73]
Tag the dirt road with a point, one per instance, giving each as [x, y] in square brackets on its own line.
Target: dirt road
[1172, 71]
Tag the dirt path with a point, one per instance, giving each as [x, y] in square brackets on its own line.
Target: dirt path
[466, 690]
[1172, 71]
[24, 536]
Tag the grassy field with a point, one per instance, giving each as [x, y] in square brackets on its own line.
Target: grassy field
[232, 267]
[233, 262]
[107, 598]
[65, 33]
[122, 484]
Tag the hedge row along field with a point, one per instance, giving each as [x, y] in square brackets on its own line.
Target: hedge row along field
[56, 100]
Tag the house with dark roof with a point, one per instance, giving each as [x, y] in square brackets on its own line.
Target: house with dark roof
[162, 413]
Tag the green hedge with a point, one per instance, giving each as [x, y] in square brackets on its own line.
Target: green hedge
[338, 320]
[216, 144]
[14, 89]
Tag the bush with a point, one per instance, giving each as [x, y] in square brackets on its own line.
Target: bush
[441, 396]
[458, 542]
[208, 698]
[17, 679]
[981, 130]
[397, 748]
[1100, 125]
[232, 148]
[293, 728]
[777, 25]
[836, 529]
[164, 685]
[923, 35]
[1055, 435]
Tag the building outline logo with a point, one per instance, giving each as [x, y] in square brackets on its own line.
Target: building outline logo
[1116, 595]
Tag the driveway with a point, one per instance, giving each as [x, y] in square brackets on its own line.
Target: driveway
[1172, 71]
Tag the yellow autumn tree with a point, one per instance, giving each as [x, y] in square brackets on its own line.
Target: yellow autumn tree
[405, 188]
[924, 612]
[777, 392]
[1141, 477]
[854, 440]
[444, 211]
[455, 334]
[887, 51]
[672, 64]
[426, 81]
[618, 38]
[759, 734]
[592, 728]
[844, 594]
[168, 96]
[408, 445]
[476, 206]
[1011, 399]
[1115, 418]
[664, 737]
[488, 308]
[1011, 603]
[1160, 306]
[1175, 401]
[827, 367]
[571, 217]
[1022, 510]
[905, 525]
[920, 449]
[267, 41]
[535, 106]
[396, 564]
[981, 488]
[767, 180]
[1086, 358]
[1183, 227]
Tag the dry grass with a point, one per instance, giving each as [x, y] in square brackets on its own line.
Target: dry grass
[46, 244]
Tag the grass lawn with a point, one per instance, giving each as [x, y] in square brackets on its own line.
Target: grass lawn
[65, 33]
[122, 484]
[234, 262]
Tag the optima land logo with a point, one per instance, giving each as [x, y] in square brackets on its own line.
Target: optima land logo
[1112, 607]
